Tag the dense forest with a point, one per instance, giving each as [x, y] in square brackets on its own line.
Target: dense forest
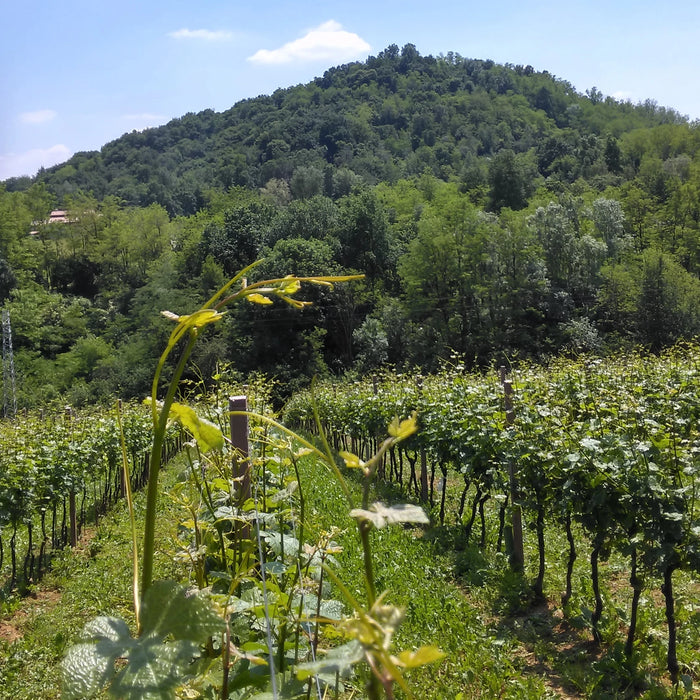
[496, 213]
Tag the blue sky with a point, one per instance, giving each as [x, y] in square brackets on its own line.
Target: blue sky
[79, 74]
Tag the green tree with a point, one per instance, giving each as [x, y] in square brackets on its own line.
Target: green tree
[7, 279]
[365, 236]
[288, 344]
[517, 288]
[306, 182]
[617, 302]
[237, 242]
[443, 274]
[316, 217]
[573, 257]
[613, 155]
[508, 187]
[669, 301]
[609, 219]
[371, 345]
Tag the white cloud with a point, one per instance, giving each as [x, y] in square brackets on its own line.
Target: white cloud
[27, 163]
[41, 116]
[327, 42]
[202, 34]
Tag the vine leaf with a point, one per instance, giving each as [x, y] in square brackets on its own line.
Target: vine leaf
[259, 299]
[338, 660]
[380, 515]
[419, 657]
[352, 461]
[151, 665]
[401, 429]
[188, 322]
[207, 434]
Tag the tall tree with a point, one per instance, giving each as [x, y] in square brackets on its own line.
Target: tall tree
[443, 274]
[507, 181]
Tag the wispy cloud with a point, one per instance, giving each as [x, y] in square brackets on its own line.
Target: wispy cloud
[327, 42]
[41, 116]
[27, 163]
[202, 34]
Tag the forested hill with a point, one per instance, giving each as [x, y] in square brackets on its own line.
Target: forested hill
[496, 213]
[395, 115]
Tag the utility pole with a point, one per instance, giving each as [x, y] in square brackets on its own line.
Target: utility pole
[9, 397]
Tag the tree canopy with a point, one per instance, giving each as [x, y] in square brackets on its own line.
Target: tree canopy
[494, 210]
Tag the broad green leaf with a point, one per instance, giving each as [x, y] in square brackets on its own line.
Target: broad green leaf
[150, 668]
[285, 493]
[351, 460]
[331, 609]
[154, 669]
[687, 682]
[420, 657]
[400, 430]
[88, 666]
[168, 609]
[338, 660]
[207, 434]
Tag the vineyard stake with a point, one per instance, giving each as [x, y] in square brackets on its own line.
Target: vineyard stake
[73, 516]
[423, 457]
[239, 440]
[515, 536]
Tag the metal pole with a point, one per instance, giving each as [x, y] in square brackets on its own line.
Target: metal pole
[9, 395]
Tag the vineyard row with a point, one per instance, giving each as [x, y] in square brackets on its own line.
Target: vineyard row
[60, 473]
[608, 447]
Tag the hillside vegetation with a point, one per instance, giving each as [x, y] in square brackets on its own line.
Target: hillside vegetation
[496, 213]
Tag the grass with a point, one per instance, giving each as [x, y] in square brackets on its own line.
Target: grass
[94, 579]
[498, 643]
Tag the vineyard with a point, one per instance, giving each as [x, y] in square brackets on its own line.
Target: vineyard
[341, 550]
[59, 474]
[605, 450]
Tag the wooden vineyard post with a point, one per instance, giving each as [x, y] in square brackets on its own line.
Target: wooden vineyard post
[72, 510]
[424, 493]
[241, 462]
[239, 440]
[514, 531]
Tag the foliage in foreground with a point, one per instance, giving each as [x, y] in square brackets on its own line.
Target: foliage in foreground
[172, 626]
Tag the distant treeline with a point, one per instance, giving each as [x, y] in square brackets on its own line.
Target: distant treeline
[496, 213]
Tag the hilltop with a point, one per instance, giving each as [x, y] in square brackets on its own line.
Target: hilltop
[394, 115]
